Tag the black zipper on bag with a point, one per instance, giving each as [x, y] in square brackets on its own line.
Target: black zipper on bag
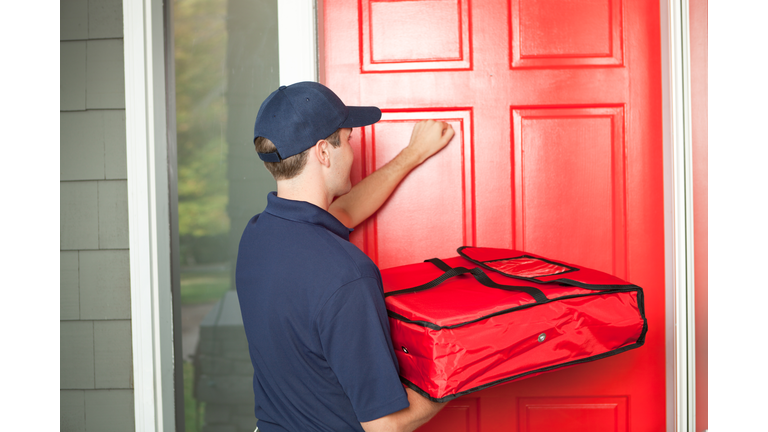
[434, 326]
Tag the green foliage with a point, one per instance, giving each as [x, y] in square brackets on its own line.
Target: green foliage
[204, 286]
[193, 411]
[204, 250]
[200, 38]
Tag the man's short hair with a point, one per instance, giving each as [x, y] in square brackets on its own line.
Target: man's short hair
[292, 166]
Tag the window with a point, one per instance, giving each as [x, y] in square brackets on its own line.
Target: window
[226, 64]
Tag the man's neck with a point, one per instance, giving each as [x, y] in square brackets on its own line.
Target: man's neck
[298, 189]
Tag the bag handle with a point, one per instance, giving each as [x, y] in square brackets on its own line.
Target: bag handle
[477, 273]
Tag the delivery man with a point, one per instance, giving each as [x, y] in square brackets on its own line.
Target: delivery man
[312, 302]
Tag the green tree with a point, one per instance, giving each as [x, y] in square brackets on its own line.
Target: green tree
[200, 38]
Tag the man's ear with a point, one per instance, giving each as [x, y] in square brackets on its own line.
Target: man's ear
[322, 152]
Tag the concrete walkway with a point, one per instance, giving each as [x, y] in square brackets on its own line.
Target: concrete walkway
[191, 317]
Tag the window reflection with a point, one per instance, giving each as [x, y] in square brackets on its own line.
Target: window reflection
[225, 64]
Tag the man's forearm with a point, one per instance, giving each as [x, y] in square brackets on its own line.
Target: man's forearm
[420, 411]
[367, 196]
[423, 410]
[429, 137]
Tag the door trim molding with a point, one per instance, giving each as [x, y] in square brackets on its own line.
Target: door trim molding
[297, 40]
[684, 360]
[148, 215]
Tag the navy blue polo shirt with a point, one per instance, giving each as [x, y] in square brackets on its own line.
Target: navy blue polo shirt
[317, 328]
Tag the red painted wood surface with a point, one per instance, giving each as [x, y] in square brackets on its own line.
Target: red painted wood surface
[558, 151]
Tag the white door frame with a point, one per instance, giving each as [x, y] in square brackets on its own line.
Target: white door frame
[148, 216]
[679, 192]
[149, 221]
[298, 40]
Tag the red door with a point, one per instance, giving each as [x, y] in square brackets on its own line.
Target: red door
[557, 108]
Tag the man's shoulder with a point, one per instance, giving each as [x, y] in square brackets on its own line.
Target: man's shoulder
[356, 257]
[299, 245]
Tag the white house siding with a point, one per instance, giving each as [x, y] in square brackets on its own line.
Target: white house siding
[96, 385]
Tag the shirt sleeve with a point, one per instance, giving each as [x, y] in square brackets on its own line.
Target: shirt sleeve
[354, 332]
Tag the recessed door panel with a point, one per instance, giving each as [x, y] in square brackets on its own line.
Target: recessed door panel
[569, 178]
[414, 35]
[565, 33]
[573, 414]
[404, 230]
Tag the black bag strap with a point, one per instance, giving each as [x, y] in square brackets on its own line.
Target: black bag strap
[477, 273]
[449, 273]
[439, 264]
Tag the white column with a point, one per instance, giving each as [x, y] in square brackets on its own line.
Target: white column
[148, 215]
[682, 182]
[297, 30]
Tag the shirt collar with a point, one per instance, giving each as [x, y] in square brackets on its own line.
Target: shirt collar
[302, 211]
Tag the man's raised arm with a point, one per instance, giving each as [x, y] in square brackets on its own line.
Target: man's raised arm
[428, 137]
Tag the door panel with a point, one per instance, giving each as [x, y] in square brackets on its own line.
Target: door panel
[388, 39]
[569, 166]
[557, 108]
[573, 414]
[556, 33]
[410, 221]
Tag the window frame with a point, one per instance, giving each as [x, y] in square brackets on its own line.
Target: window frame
[149, 215]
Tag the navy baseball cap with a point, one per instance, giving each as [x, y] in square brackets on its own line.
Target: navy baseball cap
[297, 116]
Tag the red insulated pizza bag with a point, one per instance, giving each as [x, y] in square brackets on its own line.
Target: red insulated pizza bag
[491, 316]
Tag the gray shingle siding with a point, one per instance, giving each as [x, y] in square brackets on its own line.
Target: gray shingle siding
[96, 385]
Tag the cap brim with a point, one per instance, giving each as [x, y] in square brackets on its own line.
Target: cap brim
[360, 116]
